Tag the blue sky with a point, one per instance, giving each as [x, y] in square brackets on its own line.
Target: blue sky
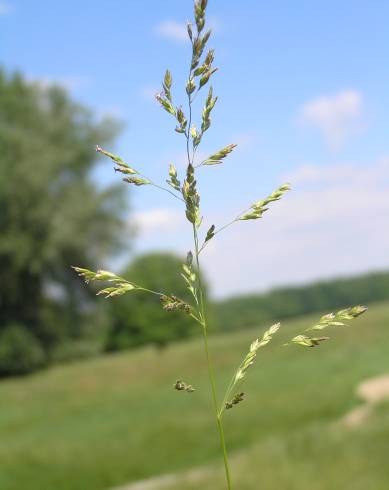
[303, 90]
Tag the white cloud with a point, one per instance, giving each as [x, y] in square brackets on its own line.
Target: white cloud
[157, 220]
[5, 8]
[335, 222]
[337, 116]
[172, 29]
[341, 174]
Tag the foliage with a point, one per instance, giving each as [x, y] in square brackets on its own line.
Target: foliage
[138, 319]
[201, 70]
[52, 213]
[20, 351]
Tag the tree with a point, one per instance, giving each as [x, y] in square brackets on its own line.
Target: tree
[139, 319]
[52, 214]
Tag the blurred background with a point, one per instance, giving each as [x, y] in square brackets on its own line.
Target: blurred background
[86, 384]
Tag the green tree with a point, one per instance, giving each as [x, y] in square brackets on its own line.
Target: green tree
[52, 214]
[139, 319]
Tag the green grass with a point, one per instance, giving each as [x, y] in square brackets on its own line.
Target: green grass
[96, 424]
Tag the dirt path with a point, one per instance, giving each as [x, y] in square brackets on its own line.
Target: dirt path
[165, 481]
[371, 391]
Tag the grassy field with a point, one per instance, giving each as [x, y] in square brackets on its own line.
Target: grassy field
[117, 419]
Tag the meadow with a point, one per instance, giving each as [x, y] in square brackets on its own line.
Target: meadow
[105, 422]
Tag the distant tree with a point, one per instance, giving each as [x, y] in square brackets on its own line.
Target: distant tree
[138, 319]
[52, 213]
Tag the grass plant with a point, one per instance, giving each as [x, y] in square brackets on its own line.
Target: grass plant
[200, 71]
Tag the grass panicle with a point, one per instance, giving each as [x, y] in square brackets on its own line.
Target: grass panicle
[184, 188]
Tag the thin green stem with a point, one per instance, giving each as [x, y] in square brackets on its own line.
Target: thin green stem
[188, 131]
[222, 227]
[164, 189]
[225, 454]
[157, 293]
[218, 231]
[233, 384]
[211, 373]
[226, 396]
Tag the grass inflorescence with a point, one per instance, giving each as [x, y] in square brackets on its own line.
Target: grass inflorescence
[184, 188]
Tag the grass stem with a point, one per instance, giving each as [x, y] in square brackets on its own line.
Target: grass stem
[211, 372]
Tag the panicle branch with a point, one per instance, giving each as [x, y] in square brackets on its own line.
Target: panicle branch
[331, 319]
[132, 176]
[247, 362]
[216, 158]
[120, 285]
[190, 277]
[122, 166]
[258, 208]
[191, 197]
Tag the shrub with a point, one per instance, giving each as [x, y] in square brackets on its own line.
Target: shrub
[20, 351]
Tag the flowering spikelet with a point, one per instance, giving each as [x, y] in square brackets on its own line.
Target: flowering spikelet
[171, 303]
[248, 361]
[259, 207]
[217, 157]
[331, 319]
[122, 166]
[120, 285]
[182, 386]
[235, 400]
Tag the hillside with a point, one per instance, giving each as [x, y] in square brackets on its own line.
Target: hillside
[287, 302]
[96, 424]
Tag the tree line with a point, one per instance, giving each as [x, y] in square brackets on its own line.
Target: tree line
[286, 302]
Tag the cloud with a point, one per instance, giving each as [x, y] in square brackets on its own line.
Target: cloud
[172, 29]
[334, 223]
[5, 8]
[344, 174]
[337, 116]
[157, 220]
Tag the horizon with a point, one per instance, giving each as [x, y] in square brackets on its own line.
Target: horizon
[303, 285]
